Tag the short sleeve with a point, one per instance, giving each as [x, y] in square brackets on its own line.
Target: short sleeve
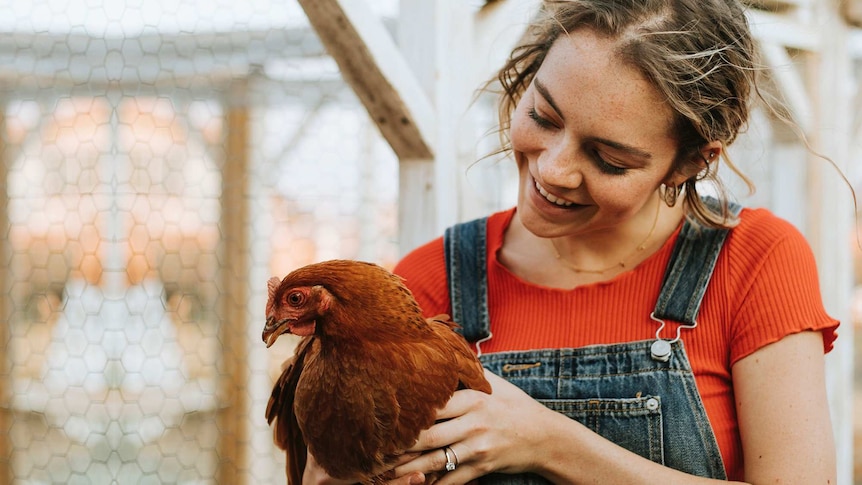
[779, 290]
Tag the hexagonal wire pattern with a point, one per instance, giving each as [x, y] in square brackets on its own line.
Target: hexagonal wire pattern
[132, 355]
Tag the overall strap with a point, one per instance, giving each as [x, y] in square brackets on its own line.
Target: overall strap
[690, 268]
[466, 267]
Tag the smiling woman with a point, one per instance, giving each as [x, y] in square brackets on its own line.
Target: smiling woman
[633, 330]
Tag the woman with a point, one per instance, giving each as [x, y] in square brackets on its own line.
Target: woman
[634, 331]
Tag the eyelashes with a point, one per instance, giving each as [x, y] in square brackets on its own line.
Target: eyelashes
[601, 163]
[540, 121]
[606, 167]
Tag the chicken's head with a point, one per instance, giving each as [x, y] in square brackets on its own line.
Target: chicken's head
[293, 309]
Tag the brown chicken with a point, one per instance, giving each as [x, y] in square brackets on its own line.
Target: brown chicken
[368, 375]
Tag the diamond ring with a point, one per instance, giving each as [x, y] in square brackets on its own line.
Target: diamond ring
[450, 465]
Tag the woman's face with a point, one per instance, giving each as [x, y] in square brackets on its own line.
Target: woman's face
[592, 141]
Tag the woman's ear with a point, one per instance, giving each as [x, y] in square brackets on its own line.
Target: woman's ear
[711, 152]
[707, 155]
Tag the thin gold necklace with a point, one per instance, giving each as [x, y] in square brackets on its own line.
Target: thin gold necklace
[622, 263]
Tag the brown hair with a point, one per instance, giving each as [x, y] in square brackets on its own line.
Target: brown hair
[699, 55]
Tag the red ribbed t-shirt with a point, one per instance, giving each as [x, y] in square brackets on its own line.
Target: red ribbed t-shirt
[764, 287]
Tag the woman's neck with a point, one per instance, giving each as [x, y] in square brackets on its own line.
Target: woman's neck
[571, 261]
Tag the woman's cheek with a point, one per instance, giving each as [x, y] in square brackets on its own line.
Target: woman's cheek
[521, 135]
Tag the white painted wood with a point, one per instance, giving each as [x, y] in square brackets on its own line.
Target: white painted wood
[437, 40]
[830, 225]
[783, 30]
[424, 33]
[467, 48]
[421, 180]
[500, 27]
[788, 77]
[415, 203]
[371, 63]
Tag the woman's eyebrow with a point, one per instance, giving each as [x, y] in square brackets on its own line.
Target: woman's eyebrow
[547, 95]
[631, 150]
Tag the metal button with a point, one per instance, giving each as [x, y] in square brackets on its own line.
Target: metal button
[660, 350]
[652, 404]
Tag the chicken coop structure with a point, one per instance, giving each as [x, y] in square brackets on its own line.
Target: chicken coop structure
[161, 160]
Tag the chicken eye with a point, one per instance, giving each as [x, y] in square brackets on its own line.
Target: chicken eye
[296, 298]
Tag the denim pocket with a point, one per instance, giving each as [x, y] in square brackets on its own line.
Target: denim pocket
[633, 423]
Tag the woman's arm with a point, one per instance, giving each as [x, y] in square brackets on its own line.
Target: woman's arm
[509, 432]
[783, 415]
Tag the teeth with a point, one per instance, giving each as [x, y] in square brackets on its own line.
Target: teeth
[552, 198]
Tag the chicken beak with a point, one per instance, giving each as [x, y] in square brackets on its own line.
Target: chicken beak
[273, 330]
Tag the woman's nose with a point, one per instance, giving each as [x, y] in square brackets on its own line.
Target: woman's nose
[561, 168]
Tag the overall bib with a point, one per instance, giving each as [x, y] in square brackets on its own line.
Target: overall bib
[640, 395]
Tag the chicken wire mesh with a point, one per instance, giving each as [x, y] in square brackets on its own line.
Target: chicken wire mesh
[160, 161]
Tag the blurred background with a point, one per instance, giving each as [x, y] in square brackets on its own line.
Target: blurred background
[161, 159]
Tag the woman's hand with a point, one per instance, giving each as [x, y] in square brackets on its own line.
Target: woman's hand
[500, 432]
[783, 418]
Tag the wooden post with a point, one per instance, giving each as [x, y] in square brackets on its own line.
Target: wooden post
[436, 39]
[373, 66]
[5, 308]
[233, 432]
[830, 218]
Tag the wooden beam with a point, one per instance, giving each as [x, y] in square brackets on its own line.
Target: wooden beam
[789, 81]
[852, 11]
[783, 30]
[371, 63]
[779, 5]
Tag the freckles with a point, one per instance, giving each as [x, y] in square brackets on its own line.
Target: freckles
[521, 136]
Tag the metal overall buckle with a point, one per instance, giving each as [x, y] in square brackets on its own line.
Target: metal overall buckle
[661, 350]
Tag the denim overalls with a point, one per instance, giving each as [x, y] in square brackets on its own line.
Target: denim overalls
[640, 395]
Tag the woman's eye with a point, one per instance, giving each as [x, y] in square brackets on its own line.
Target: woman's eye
[539, 120]
[607, 167]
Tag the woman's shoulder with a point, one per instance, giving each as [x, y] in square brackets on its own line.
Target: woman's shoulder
[763, 245]
[760, 231]
[421, 260]
[431, 255]
[772, 283]
[424, 268]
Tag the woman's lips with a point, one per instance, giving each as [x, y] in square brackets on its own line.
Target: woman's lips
[552, 198]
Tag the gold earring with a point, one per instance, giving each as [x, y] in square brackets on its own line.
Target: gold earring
[671, 192]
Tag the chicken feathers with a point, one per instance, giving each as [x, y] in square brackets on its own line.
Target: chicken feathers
[368, 375]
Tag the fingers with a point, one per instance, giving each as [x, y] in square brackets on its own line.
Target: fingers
[415, 478]
[445, 464]
[454, 423]
[461, 402]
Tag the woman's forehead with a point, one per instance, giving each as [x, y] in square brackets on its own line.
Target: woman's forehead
[589, 82]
